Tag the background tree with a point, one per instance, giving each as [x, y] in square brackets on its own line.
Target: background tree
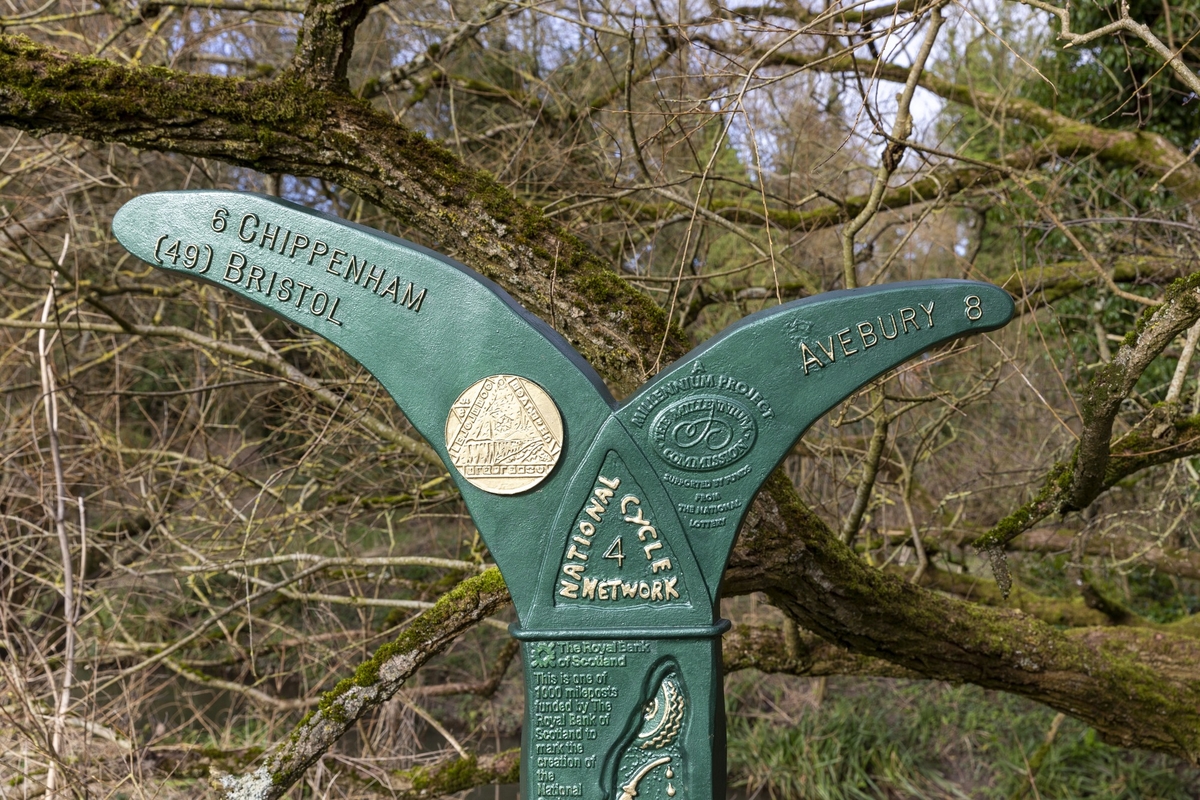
[215, 526]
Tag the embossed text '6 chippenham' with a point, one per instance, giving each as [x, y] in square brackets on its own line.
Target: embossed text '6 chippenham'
[257, 238]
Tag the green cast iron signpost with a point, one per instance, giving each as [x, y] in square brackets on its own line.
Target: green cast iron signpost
[611, 522]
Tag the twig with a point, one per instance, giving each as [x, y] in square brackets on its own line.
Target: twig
[286, 6]
[433, 723]
[50, 401]
[485, 689]
[862, 495]
[322, 562]
[893, 152]
[1185, 362]
[460, 609]
[1123, 23]
[269, 358]
[1178, 165]
[1033, 765]
[249, 692]
[399, 76]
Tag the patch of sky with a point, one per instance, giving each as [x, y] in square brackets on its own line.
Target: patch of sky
[555, 43]
[967, 24]
[179, 36]
[408, 43]
[305, 191]
[638, 259]
[229, 50]
[246, 180]
[308, 192]
[558, 38]
[761, 137]
[901, 49]
[756, 108]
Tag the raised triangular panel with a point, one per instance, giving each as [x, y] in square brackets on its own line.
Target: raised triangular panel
[619, 552]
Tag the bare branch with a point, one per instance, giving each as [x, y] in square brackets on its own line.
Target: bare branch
[401, 75]
[373, 683]
[763, 648]
[1123, 23]
[1150, 152]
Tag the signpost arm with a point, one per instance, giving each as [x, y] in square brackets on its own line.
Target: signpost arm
[426, 326]
[763, 381]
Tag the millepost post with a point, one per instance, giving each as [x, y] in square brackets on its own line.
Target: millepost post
[610, 522]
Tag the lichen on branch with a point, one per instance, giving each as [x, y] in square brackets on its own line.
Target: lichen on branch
[373, 683]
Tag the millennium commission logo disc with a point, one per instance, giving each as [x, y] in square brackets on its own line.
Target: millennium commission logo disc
[703, 432]
[504, 434]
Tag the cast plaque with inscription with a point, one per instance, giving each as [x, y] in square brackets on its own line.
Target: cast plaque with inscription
[611, 522]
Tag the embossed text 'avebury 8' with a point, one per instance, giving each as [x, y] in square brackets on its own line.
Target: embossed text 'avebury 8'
[611, 522]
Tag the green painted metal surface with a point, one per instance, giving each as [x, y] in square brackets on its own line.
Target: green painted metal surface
[614, 557]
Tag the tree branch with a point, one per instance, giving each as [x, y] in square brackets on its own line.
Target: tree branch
[399, 76]
[794, 11]
[1157, 439]
[373, 683]
[1053, 610]
[456, 775]
[1148, 152]
[269, 359]
[1123, 23]
[1159, 556]
[941, 181]
[1036, 286]
[763, 648]
[1133, 685]
[284, 126]
[485, 688]
[892, 154]
[1112, 382]
[325, 42]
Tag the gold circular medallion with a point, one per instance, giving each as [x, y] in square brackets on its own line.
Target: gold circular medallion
[504, 434]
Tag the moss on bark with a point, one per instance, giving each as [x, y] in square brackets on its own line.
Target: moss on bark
[373, 683]
[460, 774]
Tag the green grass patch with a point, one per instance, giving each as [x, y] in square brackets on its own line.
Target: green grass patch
[896, 739]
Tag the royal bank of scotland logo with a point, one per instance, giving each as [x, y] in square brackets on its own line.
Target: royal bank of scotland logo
[543, 655]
